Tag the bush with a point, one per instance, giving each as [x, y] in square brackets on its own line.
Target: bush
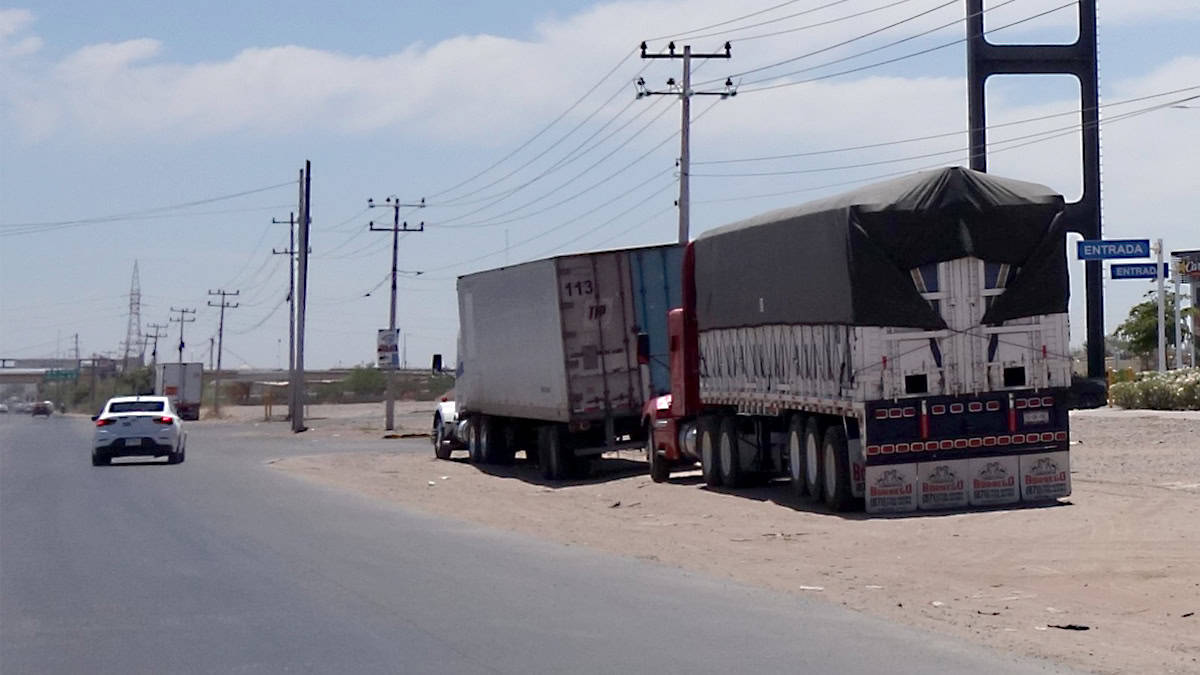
[1173, 390]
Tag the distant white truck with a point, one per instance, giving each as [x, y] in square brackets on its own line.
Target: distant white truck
[183, 383]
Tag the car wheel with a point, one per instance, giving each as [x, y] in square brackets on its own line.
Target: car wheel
[99, 459]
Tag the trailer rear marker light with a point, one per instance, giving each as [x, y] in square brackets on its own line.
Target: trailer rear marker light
[872, 450]
[975, 406]
[1004, 440]
[956, 408]
[1048, 401]
[917, 447]
[881, 414]
[993, 406]
[960, 443]
[1022, 403]
[910, 412]
[887, 449]
[1018, 439]
[989, 441]
[975, 442]
[1060, 435]
[895, 413]
[1034, 402]
[938, 409]
[947, 445]
[1047, 436]
[901, 448]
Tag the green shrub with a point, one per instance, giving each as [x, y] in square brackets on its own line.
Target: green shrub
[1173, 390]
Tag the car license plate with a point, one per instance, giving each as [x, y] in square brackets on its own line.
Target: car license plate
[1037, 417]
[133, 441]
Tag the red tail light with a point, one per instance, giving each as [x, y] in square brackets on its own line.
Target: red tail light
[103, 422]
[165, 419]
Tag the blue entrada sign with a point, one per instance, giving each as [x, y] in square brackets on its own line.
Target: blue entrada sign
[1100, 249]
[1137, 271]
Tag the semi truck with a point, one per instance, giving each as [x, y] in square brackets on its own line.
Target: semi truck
[183, 383]
[904, 344]
[558, 356]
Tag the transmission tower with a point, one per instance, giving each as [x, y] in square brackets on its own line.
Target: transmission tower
[133, 328]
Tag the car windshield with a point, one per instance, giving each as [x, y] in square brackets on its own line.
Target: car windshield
[135, 406]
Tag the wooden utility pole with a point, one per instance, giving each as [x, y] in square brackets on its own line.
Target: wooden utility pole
[395, 229]
[220, 340]
[291, 253]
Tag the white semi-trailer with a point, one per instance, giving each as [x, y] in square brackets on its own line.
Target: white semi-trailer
[183, 383]
[557, 357]
[905, 343]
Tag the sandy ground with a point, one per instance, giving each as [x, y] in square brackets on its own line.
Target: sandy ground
[1121, 556]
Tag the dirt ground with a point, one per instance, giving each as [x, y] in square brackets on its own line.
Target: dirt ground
[1121, 556]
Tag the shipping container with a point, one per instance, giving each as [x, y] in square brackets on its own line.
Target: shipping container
[183, 383]
[558, 356]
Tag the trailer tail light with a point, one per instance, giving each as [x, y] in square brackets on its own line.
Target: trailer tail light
[910, 412]
[104, 422]
[993, 406]
[1047, 436]
[956, 408]
[896, 413]
[887, 449]
[960, 443]
[1018, 439]
[989, 441]
[1048, 401]
[938, 409]
[165, 419]
[901, 448]
[1003, 440]
[872, 449]
[975, 406]
[917, 447]
[975, 442]
[924, 423]
[881, 414]
[1022, 404]
[947, 445]
[1012, 414]
[1060, 435]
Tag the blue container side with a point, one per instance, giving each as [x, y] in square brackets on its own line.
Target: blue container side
[656, 290]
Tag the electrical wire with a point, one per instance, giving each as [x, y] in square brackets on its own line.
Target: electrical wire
[264, 319]
[990, 127]
[751, 15]
[796, 29]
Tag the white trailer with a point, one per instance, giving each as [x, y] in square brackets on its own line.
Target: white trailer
[558, 356]
[183, 383]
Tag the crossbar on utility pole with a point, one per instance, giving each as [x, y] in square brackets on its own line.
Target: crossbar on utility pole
[396, 228]
[685, 94]
[183, 318]
[220, 340]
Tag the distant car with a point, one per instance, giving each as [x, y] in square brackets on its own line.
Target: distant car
[448, 435]
[43, 408]
[131, 426]
[3, 407]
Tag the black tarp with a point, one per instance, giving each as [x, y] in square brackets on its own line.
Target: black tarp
[847, 259]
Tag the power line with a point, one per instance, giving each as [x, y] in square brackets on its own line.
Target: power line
[796, 29]
[688, 34]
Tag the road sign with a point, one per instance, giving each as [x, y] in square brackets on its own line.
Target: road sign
[388, 348]
[1101, 249]
[54, 374]
[1137, 271]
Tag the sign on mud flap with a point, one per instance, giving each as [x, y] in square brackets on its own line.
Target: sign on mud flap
[942, 485]
[891, 488]
[993, 480]
[1045, 476]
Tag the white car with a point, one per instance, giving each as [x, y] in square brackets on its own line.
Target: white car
[138, 426]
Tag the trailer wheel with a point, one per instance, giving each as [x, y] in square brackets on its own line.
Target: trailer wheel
[706, 439]
[551, 453]
[474, 447]
[730, 462]
[493, 448]
[797, 456]
[813, 469]
[837, 469]
[660, 469]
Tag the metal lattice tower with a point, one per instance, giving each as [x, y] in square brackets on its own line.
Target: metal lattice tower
[133, 329]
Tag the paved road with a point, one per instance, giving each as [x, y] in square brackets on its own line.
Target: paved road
[223, 565]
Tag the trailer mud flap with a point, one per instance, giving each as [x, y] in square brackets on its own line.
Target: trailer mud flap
[891, 488]
[993, 480]
[1045, 476]
[942, 485]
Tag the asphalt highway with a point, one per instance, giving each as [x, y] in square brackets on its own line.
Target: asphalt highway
[224, 565]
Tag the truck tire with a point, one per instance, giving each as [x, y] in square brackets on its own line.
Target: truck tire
[441, 447]
[730, 463]
[660, 469]
[706, 442]
[796, 456]
[551, 454]
[837, 469]
[492, 445]
[474, 447]
[813, 475]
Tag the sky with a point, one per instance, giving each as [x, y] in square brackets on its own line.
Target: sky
[169, 135]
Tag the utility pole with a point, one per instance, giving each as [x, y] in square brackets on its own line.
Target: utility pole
[211, 343]
[183, 318]
[298, 389]
[223, 304]
[685, 94]
[395, 229]
[291, 253]
[1162, 319]
[154, 341]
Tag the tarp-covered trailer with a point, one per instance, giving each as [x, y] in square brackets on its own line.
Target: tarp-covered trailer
[558, 356]
[905, 343]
